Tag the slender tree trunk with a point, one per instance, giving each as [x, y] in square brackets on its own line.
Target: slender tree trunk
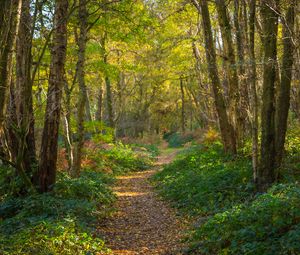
[48, 154]
[253, 90]
[266, 172]
[183, 120]
[240, 36]
[82, 11]
[99, 103]
[67, 126]
[82, 85]
[120, 131]
[283, 99]
[227, 131]
[231, 68]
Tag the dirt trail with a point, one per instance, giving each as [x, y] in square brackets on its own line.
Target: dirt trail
[143, 223]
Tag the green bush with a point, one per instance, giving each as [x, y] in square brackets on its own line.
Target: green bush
[121, 158]
[204, 181]
[151, 149]
[176, 139]
[268, 225]
[58, 222]
[51, 237]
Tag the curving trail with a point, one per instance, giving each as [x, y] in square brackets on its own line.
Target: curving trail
[143, 224]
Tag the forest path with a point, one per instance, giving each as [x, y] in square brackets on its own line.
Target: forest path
[144, 223]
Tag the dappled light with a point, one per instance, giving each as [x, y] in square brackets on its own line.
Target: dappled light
[149, 127]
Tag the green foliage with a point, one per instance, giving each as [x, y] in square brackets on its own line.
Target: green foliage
[152, 149]
[229, 218]
[100, 132]
[268, 225]
[51, 237]
[120, 158]
[293, 142]
[9, 182]
[176, 139]
[127, 159]
[204, 180]
[58, 222]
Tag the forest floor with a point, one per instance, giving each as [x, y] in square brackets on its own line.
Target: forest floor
[143, 222]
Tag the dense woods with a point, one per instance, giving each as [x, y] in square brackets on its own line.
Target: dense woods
[89, 84]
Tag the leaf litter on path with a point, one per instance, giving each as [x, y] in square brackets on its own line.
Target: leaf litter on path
[143, 222]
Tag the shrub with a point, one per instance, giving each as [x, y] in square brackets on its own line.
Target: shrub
[268, 225]
[58, 222]
[204, 180]
[211, 136]
[176, 139]
[120, 158]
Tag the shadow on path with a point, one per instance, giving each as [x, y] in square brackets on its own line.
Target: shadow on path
[143, 223]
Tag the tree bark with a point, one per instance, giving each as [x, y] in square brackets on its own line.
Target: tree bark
[283, 99]
[227, 131]
[99, 103]
[231, 68]
[67, 126]
[23, 91]
[253, 90]
[8, 21]
[183, 119]
[48, 154]
[78, 145]
[240, 34]
[266, 172]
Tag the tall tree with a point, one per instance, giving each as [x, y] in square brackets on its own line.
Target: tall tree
[8, 20]
[81, 42]
[183, 119]
[24, 128]
[231, 67]
[253, 90]
[283, 98]
[227, 130]
[48, 153]
[266, 172]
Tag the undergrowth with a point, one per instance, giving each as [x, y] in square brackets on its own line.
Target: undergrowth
[64, 220]
[120, 158]
[204, 181]
[58, 222]
[229, 218]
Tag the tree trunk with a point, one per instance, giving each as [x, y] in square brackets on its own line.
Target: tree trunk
[99, 103]
[67, 126]
[78, 145]
[253, 90]
[183, 120]
[266, 171]
[240, 36]
[283, 99]
[23, 91]
[48, 154]
[231, 68]
[227, 131]
[8, 21]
